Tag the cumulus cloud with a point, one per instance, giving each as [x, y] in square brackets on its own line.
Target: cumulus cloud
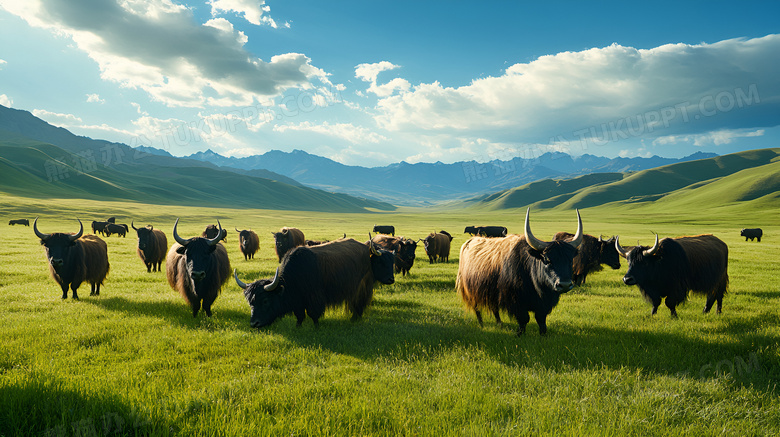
[672, 89]
[369, 73]
[159, 47]
[5, 100]
[95, 98]
[254, 11]
[346, 131]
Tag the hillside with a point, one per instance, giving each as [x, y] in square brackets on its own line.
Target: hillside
[746, 176]
[35, 169]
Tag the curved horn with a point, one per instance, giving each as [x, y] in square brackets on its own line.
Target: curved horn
[79, 233]
[653, 249]
[620, 250]
[374, 250]
[176, 236]
[237, 229]
[577, 240]
[216, 239]
[38, 233]
[529, 237]
[274, 283]
[601, 238]
[132, 225]
[238, 281]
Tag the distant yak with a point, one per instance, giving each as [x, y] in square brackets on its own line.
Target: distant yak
[751, 234]
[248, 242]
[19, 222]
[152, 245]
[287, 239]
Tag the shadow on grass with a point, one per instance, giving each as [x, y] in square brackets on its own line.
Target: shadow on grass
[178, 313]
[36, 404]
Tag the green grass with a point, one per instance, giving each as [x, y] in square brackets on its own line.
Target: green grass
[133, 361]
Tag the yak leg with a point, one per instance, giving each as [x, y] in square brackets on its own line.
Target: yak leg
[195, 308]
[300, 315]
[656, 304]
[671, 305]
[478, 313]
[149, 267]
[73, 288]
[710, 301]
[522, 320]
[207, 302]
[91, 289]
[541, 319]
[498, 317]
[64, 290]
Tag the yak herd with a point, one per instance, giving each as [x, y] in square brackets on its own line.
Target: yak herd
[515, 273]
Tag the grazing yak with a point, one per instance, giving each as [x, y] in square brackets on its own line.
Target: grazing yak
[197, 268]
[75, 258]
[404, 249]
[212, 231]
[486, 231]
[751, 234]
[437, 246]
[112, 228]
[152, 245]
[593, 252]
[311, 279]
[248, 242]
[519, 273]
[99, 227]
[27, 222]
[384, 230]
[674, 266]
[287, 239]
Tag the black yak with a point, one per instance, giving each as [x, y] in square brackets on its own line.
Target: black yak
[75, 258]
[404, 249]
[27, 222]
[248, 242]
[287, 239]
[212, 231]
[486, 231]
[437, 246]
[311, 279]
[152, 245]
[112, 228]
[519, 273]
[197, 268]
[384, 229]
[751, 234]
[674, 266]
[593, 252]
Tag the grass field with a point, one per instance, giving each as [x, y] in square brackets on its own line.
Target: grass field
[134, 361]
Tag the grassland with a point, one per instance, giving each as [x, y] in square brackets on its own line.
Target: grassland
[133, 361]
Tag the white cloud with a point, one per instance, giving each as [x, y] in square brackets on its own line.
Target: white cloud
[159, 47]
[254, 11]
[369, 73]
[717, 137]
[57, 119]
[95, 98]
[6, 101]
[346, 131]
[559, 94]
[2, 62]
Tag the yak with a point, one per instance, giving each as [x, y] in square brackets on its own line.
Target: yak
[248, 242]
[287, 239]
[25, 222]
[404, 249]
[212, 231]
[197, 268]
[75, 258]
[673, 266]
[437, 246]
[519, 273]
[384, 229]
[593, 252]
[99, 227]
[112, 228]
[311, 279]
[751, 234]
[152, 245]
[486, 231]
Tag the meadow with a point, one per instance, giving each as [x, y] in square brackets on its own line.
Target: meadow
[133, 361]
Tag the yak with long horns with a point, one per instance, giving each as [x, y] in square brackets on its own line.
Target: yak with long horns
[518, 274]
[197, 268]
[75, 258]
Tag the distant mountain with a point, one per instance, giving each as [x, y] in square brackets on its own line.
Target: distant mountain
[426, 183]
[752, 175]
[84, 168]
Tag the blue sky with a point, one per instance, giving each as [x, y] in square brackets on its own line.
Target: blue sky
[373, 83]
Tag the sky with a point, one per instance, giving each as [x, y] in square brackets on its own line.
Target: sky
[375, 83]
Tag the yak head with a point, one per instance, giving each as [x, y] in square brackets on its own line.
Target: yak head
[382, 263]
[608, 254]
[556, 257]
[428, 243]
[243, 237]
[197, 251]
[651, 268]
[407, 252]
[145, 235]
[265, 298]
[212, 231]
[59, 247]
[283, 240]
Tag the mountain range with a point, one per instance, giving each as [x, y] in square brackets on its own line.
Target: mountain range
[430, 183]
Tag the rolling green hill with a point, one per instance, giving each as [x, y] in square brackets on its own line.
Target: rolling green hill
[34, 169]
[750, 176]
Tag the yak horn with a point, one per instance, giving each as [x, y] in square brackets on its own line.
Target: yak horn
[653, 249]
[38, 233]
[534, 242]
[132, 225]
[216, 239]
[577, 240]
[176, 236]
[238, 281]
[79, 233]
[620, 250]
[274, 283]
[236, 229]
